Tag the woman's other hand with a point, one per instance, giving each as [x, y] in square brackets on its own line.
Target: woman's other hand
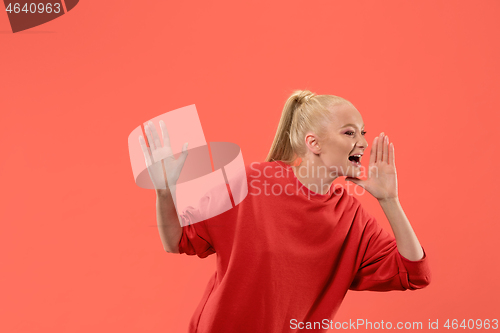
[160, 160]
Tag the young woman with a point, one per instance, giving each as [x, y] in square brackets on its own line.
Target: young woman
[290, 251]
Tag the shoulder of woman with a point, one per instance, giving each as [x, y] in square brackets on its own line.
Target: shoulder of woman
[349, 201]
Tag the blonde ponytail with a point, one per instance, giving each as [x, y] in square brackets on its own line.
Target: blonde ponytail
[303, 111]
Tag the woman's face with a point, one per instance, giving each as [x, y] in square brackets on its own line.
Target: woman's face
[344, 138]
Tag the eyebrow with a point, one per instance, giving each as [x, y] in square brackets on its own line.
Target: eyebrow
[352, 125]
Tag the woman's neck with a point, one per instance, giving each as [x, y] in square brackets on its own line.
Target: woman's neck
[314, 175]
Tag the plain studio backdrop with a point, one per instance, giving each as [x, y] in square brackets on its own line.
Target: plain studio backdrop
[79, 243]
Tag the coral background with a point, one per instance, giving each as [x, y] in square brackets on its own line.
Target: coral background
[79, 243]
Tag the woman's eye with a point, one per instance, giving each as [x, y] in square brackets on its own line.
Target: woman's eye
[351, 133]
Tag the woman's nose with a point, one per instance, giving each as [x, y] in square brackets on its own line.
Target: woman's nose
[363, 143]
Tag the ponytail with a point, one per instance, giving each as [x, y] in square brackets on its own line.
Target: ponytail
[303, 111]
[282, 148]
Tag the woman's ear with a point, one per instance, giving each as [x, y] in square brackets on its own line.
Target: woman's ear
[312, 143]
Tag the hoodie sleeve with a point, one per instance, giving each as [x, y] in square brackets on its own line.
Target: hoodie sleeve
[382, 267]
[195, 240]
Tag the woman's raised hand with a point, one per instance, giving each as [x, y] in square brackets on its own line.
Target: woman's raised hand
[382, 179]
[163, 168]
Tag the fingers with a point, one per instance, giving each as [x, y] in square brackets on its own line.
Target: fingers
[380, 148]
[149, 136]
[157, 152]
[164, 134]
[385, 154]
[373, 151]
[156, 137]
[392, 160]
[183, 156]
[145, 150]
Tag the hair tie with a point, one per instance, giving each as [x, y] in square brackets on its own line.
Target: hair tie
[301, 100]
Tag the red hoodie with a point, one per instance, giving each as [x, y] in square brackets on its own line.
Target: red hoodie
[287, 255]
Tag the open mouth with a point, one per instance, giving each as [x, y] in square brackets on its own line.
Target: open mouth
[355, 160]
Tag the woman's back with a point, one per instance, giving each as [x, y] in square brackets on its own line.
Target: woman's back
[286, 255]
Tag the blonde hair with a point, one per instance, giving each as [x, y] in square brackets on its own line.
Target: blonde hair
[304, 111]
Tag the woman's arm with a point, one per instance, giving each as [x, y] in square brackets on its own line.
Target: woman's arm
[164, 171]
[380, 265]
[167, 219]
[408, 244]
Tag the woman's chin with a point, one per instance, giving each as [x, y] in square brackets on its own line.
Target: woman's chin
[355, 173]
